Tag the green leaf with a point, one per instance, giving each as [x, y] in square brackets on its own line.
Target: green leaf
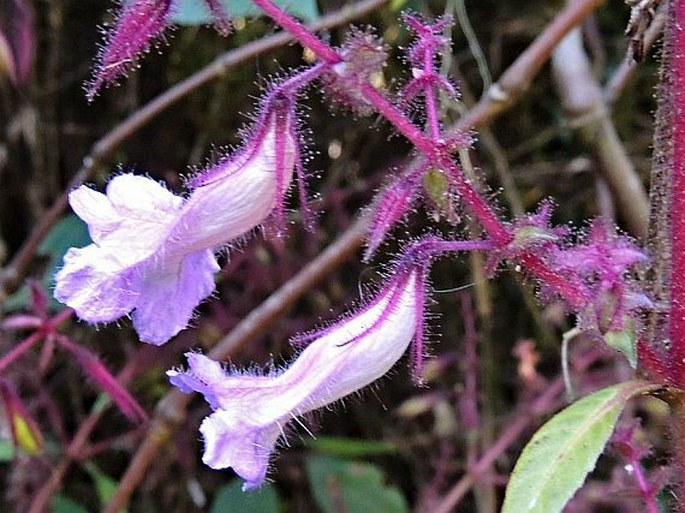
[232, 498]
[559, 456]
[625, 341]
[6, 451]
[436, 184]
[67, 233]
[195, 12]
[352, 487]
[105, 485]
[350, 447]
[62, 504]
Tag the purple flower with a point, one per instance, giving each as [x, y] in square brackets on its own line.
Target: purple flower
[250, 411]
[152, 251]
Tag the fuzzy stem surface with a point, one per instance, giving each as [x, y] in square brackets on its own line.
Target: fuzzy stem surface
[677, 214]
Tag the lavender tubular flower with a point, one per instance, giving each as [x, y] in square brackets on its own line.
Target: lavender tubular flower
[251, 411]
[152, 252]
[245, 188]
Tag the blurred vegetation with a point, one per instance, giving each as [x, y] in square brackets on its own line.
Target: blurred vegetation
[47, 128]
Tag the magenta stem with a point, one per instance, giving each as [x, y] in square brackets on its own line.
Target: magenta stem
[20, 349]
[438, 154]
[302, 78]
[677, 97]
[432, 246]
[442, 159]
[645, 489]
[301, 33]
[431, 103]
[49, 327]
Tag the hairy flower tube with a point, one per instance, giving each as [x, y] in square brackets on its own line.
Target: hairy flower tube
[139, 24]
[250, 411]
[152, 251]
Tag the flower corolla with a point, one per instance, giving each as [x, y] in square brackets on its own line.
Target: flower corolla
[250, 411]
[152, 251]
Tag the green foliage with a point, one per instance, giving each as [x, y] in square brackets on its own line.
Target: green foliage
[62, 504]
[231, 498]
[349, 447]
[624, 341]
[105, 485]
[351, 486]
[6, 451]
[556, 460]
[194, 12]
[436, 184]
[69, 232]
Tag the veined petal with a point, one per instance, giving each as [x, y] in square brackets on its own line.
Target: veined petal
[251, 410]
[97, 285]
[238, 194]
[170, 293]
[96, 211]
[112, 276]
[246, 451]
[136, 214]
[141, 197]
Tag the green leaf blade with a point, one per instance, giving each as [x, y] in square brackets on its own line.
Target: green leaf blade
[231, 497]
[350, 447]
[352, 486]
[556, 461]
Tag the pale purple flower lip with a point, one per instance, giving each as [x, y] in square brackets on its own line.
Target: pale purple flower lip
[251, 411]
[152, 251]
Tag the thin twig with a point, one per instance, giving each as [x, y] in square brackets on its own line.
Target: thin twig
[623, 74]
[516, 80]
[512, 432]
[582, 98]
[545, 403]
[44, 495]
[13, 274]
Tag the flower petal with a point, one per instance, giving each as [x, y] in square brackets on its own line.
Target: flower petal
[246, 452]
[96, 284]
[170, 293]
[95, 210]
[239, 193]
[142, 197]
[202, 375]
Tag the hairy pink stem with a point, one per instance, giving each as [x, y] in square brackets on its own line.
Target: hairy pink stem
[431, 103]
[20, 349]
[436, 153]
[307, 38]
[34, 338]
[425, 144]
[646, 490]
[677, 70]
